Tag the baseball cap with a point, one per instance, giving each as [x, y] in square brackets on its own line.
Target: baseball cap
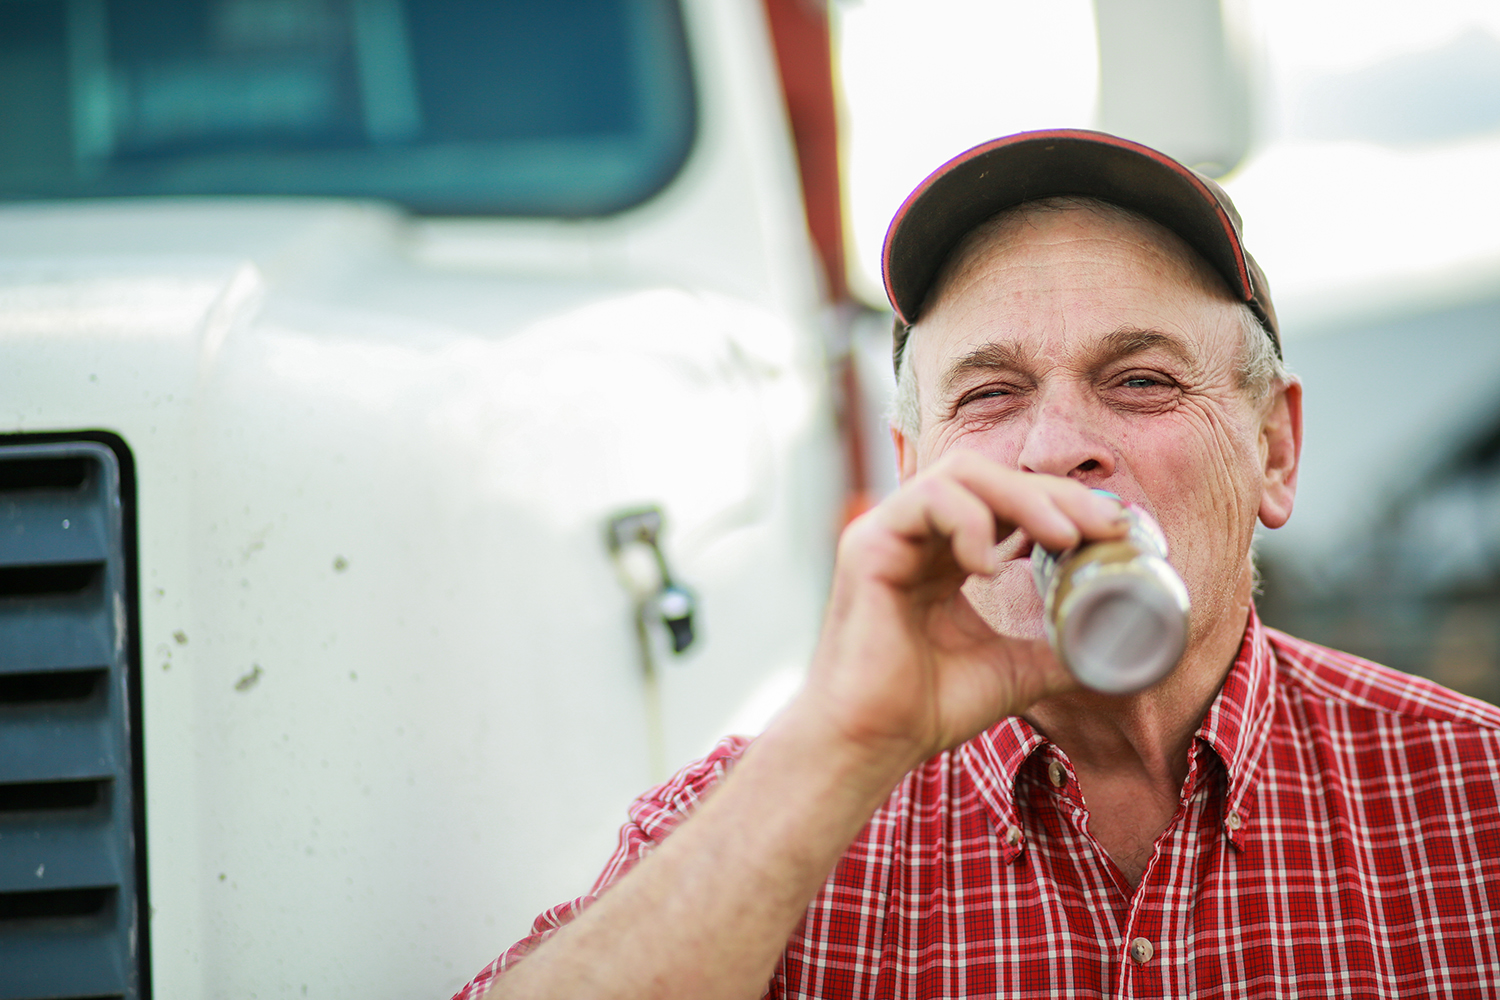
[996, 175]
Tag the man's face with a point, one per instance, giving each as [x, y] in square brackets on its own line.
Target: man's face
[1078, 344]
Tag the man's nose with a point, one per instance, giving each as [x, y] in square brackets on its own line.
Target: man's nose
[1063, 441]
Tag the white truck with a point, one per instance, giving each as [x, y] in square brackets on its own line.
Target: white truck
[386, 389]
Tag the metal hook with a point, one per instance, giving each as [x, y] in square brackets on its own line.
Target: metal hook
[670, 602]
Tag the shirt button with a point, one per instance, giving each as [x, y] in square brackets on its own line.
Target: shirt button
[1013, 835]
[1141, 951]
[1057, 774]
[1234, 821]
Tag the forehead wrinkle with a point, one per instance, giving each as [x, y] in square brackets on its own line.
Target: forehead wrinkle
[1019, 226]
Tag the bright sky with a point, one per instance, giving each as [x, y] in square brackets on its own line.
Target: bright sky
[1334, 220]
[1343, 35]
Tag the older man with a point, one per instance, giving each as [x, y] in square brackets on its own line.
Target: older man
[942, 811]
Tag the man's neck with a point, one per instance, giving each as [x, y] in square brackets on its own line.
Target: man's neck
[1130, 752]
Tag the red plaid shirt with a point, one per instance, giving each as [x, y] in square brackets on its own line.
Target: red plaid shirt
[1338, 834]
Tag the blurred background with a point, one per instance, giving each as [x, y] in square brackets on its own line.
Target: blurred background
[463, 398]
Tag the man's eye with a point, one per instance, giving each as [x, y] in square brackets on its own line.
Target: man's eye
[1142, 382]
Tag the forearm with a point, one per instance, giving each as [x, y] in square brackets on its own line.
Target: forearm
[710, 911]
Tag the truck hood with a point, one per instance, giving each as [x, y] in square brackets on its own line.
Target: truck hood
[371, 500]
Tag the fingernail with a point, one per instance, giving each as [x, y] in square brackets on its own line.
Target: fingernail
[1108, 505]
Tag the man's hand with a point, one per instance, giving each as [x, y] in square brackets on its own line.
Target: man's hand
[905, 666]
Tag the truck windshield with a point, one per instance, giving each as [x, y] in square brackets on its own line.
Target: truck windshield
[491, 107]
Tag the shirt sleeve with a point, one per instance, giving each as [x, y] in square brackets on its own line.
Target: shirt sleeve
[652, 817]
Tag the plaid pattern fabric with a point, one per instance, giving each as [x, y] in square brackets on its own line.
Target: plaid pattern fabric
[1338, 834]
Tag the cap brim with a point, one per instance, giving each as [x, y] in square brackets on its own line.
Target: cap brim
[989, 178]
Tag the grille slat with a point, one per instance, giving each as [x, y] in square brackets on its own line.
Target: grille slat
[67, 955]
[40, 853]
[55, 633]
[69, 902]
[44, 526]
[42, 746]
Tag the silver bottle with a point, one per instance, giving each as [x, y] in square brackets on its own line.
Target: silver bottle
[1115, 612]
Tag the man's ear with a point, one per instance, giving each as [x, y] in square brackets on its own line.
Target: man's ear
[1280, 452]
[906, 454]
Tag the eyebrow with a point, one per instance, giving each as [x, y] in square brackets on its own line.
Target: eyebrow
[1123, 343]
[1127, 341]
[985, 358]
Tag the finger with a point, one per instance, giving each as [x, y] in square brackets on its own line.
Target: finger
[1055, 511]
[938, 507]
[1096, 514]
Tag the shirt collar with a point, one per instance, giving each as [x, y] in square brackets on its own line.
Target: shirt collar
[1237, 728]
[1238, 723]
[994, 759]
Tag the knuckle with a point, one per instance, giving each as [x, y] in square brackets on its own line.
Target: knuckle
[859, 531]
[930, 491]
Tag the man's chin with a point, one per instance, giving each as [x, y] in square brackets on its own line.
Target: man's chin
[1008, 601]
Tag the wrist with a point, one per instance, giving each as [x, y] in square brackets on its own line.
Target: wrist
[836, 763]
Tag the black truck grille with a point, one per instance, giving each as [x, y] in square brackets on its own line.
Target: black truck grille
[70, 835]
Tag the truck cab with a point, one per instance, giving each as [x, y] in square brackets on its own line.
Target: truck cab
[416, 439]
